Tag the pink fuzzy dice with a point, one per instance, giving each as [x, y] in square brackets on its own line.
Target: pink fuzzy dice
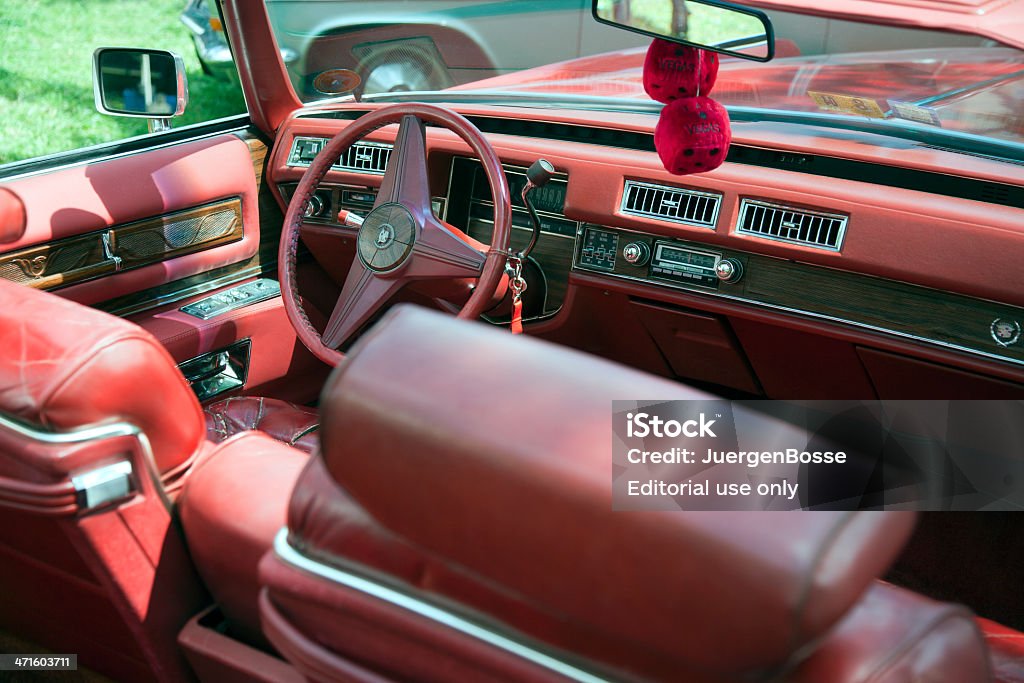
[693, 135]
[673, 71]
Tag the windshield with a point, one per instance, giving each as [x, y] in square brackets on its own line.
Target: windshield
[956, 90]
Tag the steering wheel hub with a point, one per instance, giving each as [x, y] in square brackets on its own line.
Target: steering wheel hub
[386, 237]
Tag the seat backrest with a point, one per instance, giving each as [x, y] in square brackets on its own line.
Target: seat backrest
[65, 366]
[96, 424]
[469, 468]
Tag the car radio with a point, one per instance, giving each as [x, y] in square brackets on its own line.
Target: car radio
[684, 265]
[639, 256]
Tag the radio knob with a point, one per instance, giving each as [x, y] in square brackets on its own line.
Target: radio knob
[729, 271]
[636, 253]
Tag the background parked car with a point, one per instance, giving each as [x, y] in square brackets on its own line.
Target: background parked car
[204, 24]
[392, 51]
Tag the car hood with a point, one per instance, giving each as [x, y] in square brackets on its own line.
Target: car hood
[974, 90]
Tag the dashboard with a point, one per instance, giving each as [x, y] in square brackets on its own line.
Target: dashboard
[696, 259]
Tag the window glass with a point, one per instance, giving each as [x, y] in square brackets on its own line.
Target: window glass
[952, 89]
[46, 92]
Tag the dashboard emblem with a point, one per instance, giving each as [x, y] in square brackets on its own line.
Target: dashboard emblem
[1005, 332]
[385, 236]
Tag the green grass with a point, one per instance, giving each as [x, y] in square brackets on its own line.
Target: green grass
[46, 96]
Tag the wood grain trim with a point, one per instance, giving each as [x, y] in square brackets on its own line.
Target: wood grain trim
[925, 314]
[59, 263]
[105, 252]
[887, 306]
[263, 263]
[179, 233]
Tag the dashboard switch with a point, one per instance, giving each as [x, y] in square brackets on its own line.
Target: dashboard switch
[637, 253]
[729, 271]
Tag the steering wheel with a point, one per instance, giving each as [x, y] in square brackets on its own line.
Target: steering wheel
[400, 240]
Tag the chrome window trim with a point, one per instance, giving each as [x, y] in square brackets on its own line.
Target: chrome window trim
[289, 555]
[244, 125]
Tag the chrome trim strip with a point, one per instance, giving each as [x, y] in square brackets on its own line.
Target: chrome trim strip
[89, 433]
[808, 314]
[404, 601]
[195, 290]
[630, 184]
[747, 204]
[80, 435]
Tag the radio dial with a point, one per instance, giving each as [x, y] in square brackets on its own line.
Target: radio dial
[729, 271]
[637, 253]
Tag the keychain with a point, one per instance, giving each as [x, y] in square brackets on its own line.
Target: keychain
[514, 270]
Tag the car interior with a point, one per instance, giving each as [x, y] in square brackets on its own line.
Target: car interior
[263, 417]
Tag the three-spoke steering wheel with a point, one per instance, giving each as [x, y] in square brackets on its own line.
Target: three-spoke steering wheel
[400, 240]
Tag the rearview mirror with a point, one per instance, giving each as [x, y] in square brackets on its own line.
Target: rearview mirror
[141, 83]
[713, 25]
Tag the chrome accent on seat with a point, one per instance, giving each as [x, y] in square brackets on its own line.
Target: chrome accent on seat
[103, 484]
[289, 555]
[139, 453]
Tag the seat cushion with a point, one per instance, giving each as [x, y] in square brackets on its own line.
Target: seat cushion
[893, 635]
[291, 424]
[233, 503]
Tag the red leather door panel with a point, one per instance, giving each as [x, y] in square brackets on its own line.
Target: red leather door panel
[94, 196]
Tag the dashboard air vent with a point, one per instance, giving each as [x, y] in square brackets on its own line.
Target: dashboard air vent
[362, 157]
[365, 157]
[674, 204]
[786, 224]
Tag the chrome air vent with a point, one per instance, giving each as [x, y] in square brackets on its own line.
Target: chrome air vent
[365, 157]
[362, 157]
[675, 204]
[786, 224]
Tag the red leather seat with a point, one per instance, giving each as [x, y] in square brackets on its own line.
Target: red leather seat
[459, 526]
[288, 423]
[97, 568]
[231, 508]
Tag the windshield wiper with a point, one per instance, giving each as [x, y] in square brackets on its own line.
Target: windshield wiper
[951, 140]
[969, 90]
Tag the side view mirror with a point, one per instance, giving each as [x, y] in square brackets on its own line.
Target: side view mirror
[140, 83]
[714, 25]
